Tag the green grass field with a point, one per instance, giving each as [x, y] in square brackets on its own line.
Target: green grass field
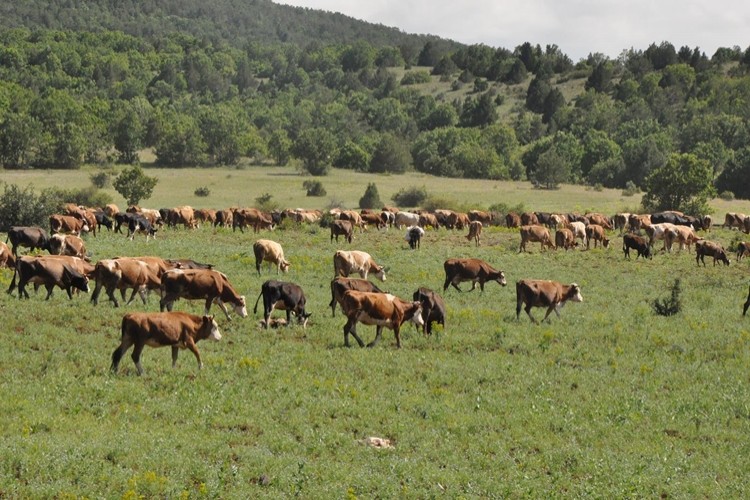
[609, 401]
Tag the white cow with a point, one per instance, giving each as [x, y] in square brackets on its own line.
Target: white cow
[406, 219]
[354, 261]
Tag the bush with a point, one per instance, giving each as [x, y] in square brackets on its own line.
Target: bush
[265, 202]
[504, 208]
[630, 189]
[726, 195]
[670, 305]
[101, 179]
[414, 77]
[411, 197]
[202, 192]
[371, 198]
[314, 188]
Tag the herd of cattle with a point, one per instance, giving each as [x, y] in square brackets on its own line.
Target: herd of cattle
[68, 265]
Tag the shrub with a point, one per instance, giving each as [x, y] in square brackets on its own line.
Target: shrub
[410, 197]
[504, 208]
[630, 189]
[670, 305]
[371, 198]
[265, 202]
[414, 77]
[202, 192]
[314, 188]
[101, 179]
[726, 195]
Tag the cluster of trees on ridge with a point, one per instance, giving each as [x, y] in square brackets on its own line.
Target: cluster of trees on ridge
[70, 97]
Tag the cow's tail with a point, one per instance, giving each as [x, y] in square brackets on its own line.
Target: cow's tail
[255, 309]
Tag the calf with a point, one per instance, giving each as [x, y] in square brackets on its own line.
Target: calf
[543, 293]
[474, 270]
[382, 310]
[433, 308]
[340, 285]
[535, 233]
[355, 261]
[175, 329]
[414, 236]
[271, 252]
[200, 284]
[475, 231]
[705, 247]
[341, 228]
[637, 243]
[285, 296]
[595, 232]
[47, 271]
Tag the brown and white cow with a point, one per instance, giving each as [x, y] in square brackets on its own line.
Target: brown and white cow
[712, 249]
[111, 210]
[535, 233]
[381, 310]
[659, 232]
[564, 238]
[354, 217]
[341, 228]
[67, 244]
[67, 224]
[271, 252]
[743, 249]
[544, 293]
[48, 271]
[175, 329]
[620, 221]
[684, 235]
[340, 285]
[355, 261]
[475, 231]
[474, 270]
[596, 233]
[201, 284]
[124, 273]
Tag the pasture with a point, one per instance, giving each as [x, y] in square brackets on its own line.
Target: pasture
[609, 401]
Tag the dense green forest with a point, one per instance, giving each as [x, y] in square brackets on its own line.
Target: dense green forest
[230, 81]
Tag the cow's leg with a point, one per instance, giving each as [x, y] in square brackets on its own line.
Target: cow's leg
[132, 296]
[219, 303]
[289, 317]
[136, 356]
[551, 308]
[378, 331]
[118, 353]
[351, 327]
[455, 285]
[95, 293]
[528, 312]
[50, 288]
[175, 352]
[397, 334]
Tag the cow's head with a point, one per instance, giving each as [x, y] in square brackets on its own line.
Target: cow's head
[605, 242]
[241, 307]
[284, 265]
[302, 318]
[213, 328]
[416, 311]
[75, 278]
[575, 293]
[380, 273]
[501, 278]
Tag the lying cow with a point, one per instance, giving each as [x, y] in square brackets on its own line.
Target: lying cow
[433, 308]
[414, 236]
[196, 284]
[637, 243]
[542, 293]
[535, 233]
[355, 261]
[284, 296]
[47, 271]
[175, 329]
[271, 252]
[31, 237]
[474, 270]
[475, 231]
[341, 228]
[712, 249]
[340, 285]
[382, 310]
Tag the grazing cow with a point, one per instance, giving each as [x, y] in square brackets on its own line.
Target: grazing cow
[124, 273]
[433, 308]
[475, 231]
[512, 220]
[600, 220]
[683, 235]
[31, 237]
[6, 257]
[122, 219]
[284, 296]
[712, 249]
[535, 234]
[67, 224]
[406, 219]
[175, 329]
[382, 310]
[706, 222]
[271, 252]
[150, 214]
[443, 217]
[373, 219]
[427, 219]
[103, 220]
[743, 248]
[140, 224]
[388, 218]
[196, 284]
[637, 243]
[67, 244]
[564, 238]
[733, 219]
[206, 215]
[661, 232]
[341, 228]
[620, 221]
[184, 215]
[595, 232]
[414, 236]
[224, 219]
[457, 220]
[244, 217]
[544, 293]
[340, 285]
[557, 221]
[353, 217]
[579, 231]
[484, 217]
[543, 218]
[355, 261]
[187, 264]
[529, 219]
[747, 304]
[474, 270]
[48, 271]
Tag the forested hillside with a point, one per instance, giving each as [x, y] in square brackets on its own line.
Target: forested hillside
[200, 95]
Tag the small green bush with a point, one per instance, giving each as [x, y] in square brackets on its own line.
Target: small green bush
[371, 198]
[670, 305]
[101, 179]
[202, 192]
[314, 188]
[726, 195]
[415, 77]
[630, 189]
[266, 203]
[410, 197]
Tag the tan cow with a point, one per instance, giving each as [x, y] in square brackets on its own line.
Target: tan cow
[535, 234]
[6, 256]
[355, 261]
[175, 329]
[712, 249]
[244, 217]
[124, 273]
[67, 244]
[684, 235]
[382, 310]
[543, 293]
[579, 231]
[475, 231]
[596, 233]
[271, 252]
[67, 224]
[482, 216]
[564, 238]
[201, 284]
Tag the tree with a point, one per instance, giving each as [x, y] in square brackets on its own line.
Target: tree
[736, 175]
[479, 112]
[390, 155]
[352, 156]
[551, 170]
[316, 148]
[371, 198]
[279, 146]
[536, 94]
[684, 183]
[134, 185]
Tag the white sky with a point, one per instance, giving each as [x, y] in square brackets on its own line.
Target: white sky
[578, 27]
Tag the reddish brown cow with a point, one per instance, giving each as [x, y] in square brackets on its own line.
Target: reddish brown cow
[535, 234]
[124, 273]
[475, 231]
[474, 270]
[340, 285]
[341, 228]
[543, 293]
[529, 219]
[743, 249]
[206, 215]
[478, 215]
[596, 233]
[712, 249]
[565, 238]
[373, 219]
[427, 219]
[67, 224]
[382, 310]
[48, 271]
[244, 217]
[201, 284]
[599, 220]
[458, 220]
[175, 329]
[512, 220]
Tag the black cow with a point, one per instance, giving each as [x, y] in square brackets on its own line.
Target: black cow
[287, 297]
[747, 304]
[673, 218]
[123, 219]
[637, 243]
[543, 218]
[31, 237]
[433, 308]
[140, 224]
[103, 220]
[414, 236]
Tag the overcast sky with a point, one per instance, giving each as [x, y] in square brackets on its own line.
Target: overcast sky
[578, 27]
